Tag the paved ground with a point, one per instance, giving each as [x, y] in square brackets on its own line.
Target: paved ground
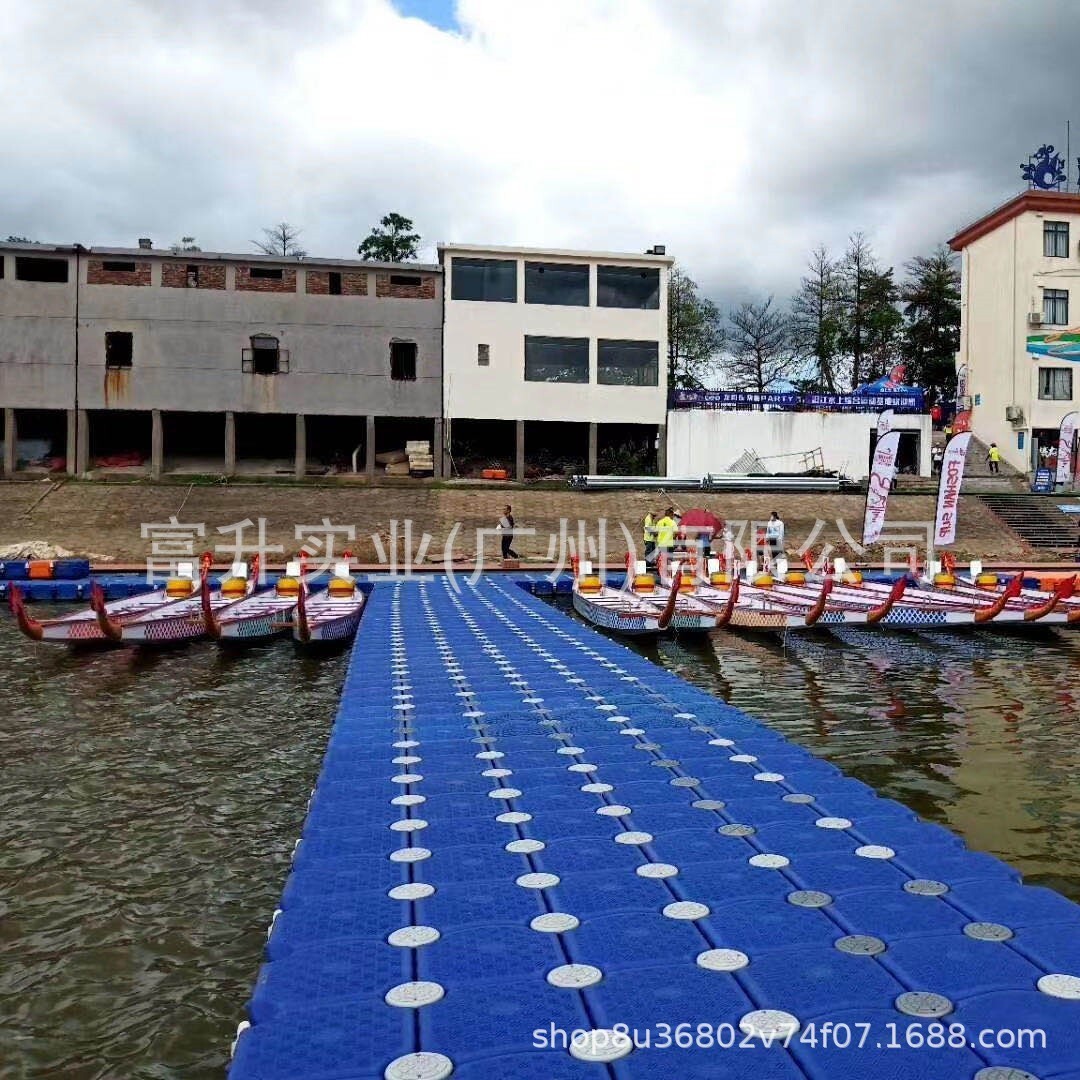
[109, 519]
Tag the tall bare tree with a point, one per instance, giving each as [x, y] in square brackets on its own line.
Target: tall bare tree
[759, 346]
[281, 239]
[695, 333]
[816, 321]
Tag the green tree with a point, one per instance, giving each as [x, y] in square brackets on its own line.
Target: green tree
[187, 245]
[816, 321]
[695, 333]
[858, 268]
[19, 240]
[281, 239]
[883, 338]
[394, 239]
[931, 296]
[759, 347]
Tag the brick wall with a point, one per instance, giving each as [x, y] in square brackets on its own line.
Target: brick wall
[424, 289]
[96, 274]
[353, 282]
[246, 283]
[174, 275]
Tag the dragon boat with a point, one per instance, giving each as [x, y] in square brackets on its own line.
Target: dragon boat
[264, 614]
[329, 615]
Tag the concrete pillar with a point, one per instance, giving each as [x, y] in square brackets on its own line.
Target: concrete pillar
[157, 445]
[519, 455]
[661, 449]
[301, 446]
[82, 443]
[11, 437]
[369, 449]
[437, 448]
[592, 448]
[230, 444]
[71, 446]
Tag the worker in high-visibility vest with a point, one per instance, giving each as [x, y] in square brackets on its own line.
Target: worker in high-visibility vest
[665, 531]
[993, 458]
[648, 535]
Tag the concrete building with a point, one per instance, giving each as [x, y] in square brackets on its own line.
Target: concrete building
[562, 353]
[1019, 340]
[200, 361]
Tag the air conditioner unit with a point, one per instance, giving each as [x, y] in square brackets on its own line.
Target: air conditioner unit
[1035, 318]
[1014, 414]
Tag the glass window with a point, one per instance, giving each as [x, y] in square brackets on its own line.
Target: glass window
[1055, 384]
[484, 279]
[557, 283]
[627, 287]
[1056, 239]
[1056, 307]
[556, 359]
[628, 363]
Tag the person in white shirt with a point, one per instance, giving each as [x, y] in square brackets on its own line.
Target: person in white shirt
[774, 535]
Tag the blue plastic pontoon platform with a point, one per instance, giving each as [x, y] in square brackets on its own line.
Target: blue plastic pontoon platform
[523, 830]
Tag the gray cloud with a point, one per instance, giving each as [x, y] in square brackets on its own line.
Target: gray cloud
[739, 134]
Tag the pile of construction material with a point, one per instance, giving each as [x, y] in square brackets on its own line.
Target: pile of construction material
[415, 460]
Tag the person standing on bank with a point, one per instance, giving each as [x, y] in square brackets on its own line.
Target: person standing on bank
[774, 536]
[506, 534]
[665, 533]
[648, 535]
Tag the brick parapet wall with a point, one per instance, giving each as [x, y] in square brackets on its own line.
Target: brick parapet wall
[96, 274]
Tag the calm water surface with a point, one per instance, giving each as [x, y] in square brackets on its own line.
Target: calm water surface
[150, 802]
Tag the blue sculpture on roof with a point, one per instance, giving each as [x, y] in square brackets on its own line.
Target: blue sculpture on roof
[1044, 169]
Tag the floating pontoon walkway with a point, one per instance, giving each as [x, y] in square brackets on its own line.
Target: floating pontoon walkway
[523, 830]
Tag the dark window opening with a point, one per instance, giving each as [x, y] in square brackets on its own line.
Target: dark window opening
[552, 359]
[408, 280]
[267, 273]
[118, 349]
[2, 260]
[1055, 384]
[265, 356]
[192, 276]
[627, 287]
[403, 361]
[1056, 239]
[30, 268]
[334, 283]
[483, 355]
[494, 280]
[112, 267]
[628, 363]
[557, 283]
[1056, 307]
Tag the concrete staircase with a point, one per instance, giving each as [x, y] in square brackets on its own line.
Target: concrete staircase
[1035, 518]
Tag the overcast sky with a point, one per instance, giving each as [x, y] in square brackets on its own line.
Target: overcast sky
[740, 134]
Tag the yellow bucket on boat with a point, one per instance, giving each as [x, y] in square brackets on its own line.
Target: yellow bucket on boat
[341, 586]
[795, 577]
[944, 581]
[288, 586]
[179, 586]
[720, 577]
[986, 581]
[590, 584]
[851, 577]
[763, 581]
[644, 583]
[234, 586]
[686, 583]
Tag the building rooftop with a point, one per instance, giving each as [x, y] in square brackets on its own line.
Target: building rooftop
[647, 257]
[1046, 201]
[216, 256]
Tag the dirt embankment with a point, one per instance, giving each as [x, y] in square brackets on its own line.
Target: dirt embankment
[123, 520]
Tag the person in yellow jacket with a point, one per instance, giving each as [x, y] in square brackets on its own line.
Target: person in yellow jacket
[665, 532]
[648, 534]
[993, 457]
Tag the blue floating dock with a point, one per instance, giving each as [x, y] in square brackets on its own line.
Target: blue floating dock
[523, 830]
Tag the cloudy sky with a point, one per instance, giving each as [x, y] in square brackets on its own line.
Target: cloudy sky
[740, 134]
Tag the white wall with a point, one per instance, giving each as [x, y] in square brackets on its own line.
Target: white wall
[1003, 275]
[703, 441]
[500, 392]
